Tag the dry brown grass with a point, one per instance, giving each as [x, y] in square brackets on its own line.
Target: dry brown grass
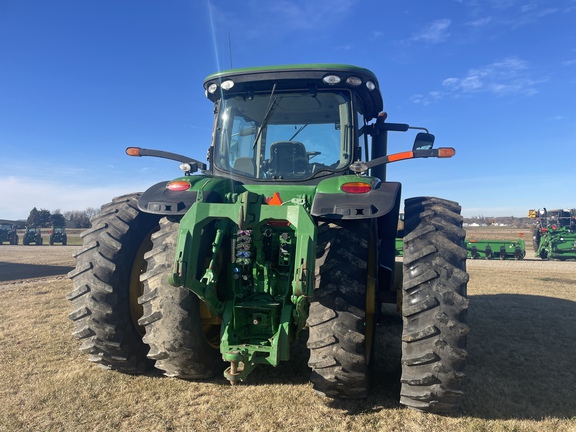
[521, 370]
[499, 233]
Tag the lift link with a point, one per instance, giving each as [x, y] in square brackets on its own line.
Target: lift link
[205, 288]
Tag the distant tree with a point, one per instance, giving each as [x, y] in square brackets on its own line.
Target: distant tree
[91, 212]
[32, 217]
[81, 218]
[40, 218]
[44, 218]
[58, 219]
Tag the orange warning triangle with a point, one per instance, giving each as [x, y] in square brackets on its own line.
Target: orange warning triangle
[275, 200]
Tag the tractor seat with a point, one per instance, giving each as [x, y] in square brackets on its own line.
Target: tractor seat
[245, 165]
[288, 160]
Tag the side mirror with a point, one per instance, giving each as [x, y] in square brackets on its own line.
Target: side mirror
[423, 141]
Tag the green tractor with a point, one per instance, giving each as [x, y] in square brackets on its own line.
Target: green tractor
[8, 233]
[290, 231]
[58, 235]
[554, 233]
[32, 235]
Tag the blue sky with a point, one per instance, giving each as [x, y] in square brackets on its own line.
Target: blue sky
[82, 80]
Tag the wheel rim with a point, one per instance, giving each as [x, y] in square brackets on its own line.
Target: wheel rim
[139, 266]
[371, 297]
[211, 325]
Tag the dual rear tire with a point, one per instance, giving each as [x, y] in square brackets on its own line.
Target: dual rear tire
[128, 318]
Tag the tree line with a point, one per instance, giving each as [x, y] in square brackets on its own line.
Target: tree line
[72, 219]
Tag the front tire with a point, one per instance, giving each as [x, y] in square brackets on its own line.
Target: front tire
[106, 286]
[180, 343]
[341, 332]
[434, 306]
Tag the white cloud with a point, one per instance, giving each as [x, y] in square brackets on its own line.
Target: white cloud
[435, 32]
[508, 76]
[286, 15]
[481, 22]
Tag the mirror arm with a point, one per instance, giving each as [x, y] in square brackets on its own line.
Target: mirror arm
[138, 151]
[442, 152]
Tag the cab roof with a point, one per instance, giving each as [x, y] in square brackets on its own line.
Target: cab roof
[297, 77]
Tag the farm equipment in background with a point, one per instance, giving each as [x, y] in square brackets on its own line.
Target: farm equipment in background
[496, 249]
[485, 249]
[399, 247]
[8, 233]
[32, 235]
[554, 233]
[58, 235]
[291, 230]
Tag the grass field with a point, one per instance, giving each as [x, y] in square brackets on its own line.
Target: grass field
[521, 370]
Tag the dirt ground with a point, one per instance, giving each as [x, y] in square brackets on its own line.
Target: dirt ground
[31, 262]
[520, 371]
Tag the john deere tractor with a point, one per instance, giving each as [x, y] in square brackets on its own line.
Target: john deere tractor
[32, 234]
[288, 231]
[554, 233]
[8, 233]
[58, 235]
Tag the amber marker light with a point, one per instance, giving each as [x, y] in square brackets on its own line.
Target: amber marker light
[133, 151]
[400, 156]
[178, 185]
[446, 152]
[356, 187]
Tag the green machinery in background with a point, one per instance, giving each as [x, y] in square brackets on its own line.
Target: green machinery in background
[496, 249]
[32, 234]
[485, 249]
[8, 233]
[554, 233]
[58, 235]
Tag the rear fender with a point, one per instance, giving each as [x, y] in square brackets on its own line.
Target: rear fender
[382, 203]
[332, 203]
[160, 200]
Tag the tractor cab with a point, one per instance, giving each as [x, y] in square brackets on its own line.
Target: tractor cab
[291, 124]
[303, 124]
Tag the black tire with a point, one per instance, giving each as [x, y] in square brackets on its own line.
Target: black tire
[179, 343]
[434, 306]
[536, 239]
[543, 254]
[341, 333]
[106, 286]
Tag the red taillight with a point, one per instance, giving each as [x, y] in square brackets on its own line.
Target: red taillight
[278, 223]
[356, 187]
[178, 185]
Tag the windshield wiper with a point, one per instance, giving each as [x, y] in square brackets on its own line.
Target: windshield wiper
[297, 132]
[271, 105]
